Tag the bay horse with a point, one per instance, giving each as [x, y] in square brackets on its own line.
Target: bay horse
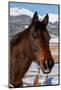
[31, 44]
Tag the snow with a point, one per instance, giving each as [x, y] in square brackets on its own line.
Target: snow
[53, 17]
[54, 38]
[52, 77]
[22, 11]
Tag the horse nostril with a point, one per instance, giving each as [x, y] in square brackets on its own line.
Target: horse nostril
[51, 64]
[48, 64]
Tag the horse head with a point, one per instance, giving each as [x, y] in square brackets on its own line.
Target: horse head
[39, 40]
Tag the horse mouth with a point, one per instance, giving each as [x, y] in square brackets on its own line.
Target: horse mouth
[47, 71]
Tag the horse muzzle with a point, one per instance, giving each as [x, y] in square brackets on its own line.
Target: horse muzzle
[48, 65]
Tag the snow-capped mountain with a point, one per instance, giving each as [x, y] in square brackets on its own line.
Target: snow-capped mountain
[20, 19]
[22, 11]
[53, 18]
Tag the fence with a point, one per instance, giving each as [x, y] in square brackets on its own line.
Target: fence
[37, 78]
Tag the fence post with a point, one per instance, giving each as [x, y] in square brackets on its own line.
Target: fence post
[36, 80]
[46, 80]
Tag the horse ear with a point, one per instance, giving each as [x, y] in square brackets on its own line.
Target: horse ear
[35, 18]
[46, 20]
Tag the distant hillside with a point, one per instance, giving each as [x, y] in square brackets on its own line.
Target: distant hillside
[18, 24]
[20, 19]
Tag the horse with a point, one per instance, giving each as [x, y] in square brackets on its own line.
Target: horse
[32, 44]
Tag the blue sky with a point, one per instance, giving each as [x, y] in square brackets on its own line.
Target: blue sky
[40, 8]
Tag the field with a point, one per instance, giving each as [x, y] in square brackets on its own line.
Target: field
[54, 51]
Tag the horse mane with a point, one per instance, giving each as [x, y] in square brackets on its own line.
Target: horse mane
[18, 37]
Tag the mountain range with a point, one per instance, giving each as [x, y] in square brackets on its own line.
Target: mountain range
[20, 18]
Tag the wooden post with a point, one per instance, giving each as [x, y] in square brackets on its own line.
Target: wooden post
[36, 80]
[46, 80]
